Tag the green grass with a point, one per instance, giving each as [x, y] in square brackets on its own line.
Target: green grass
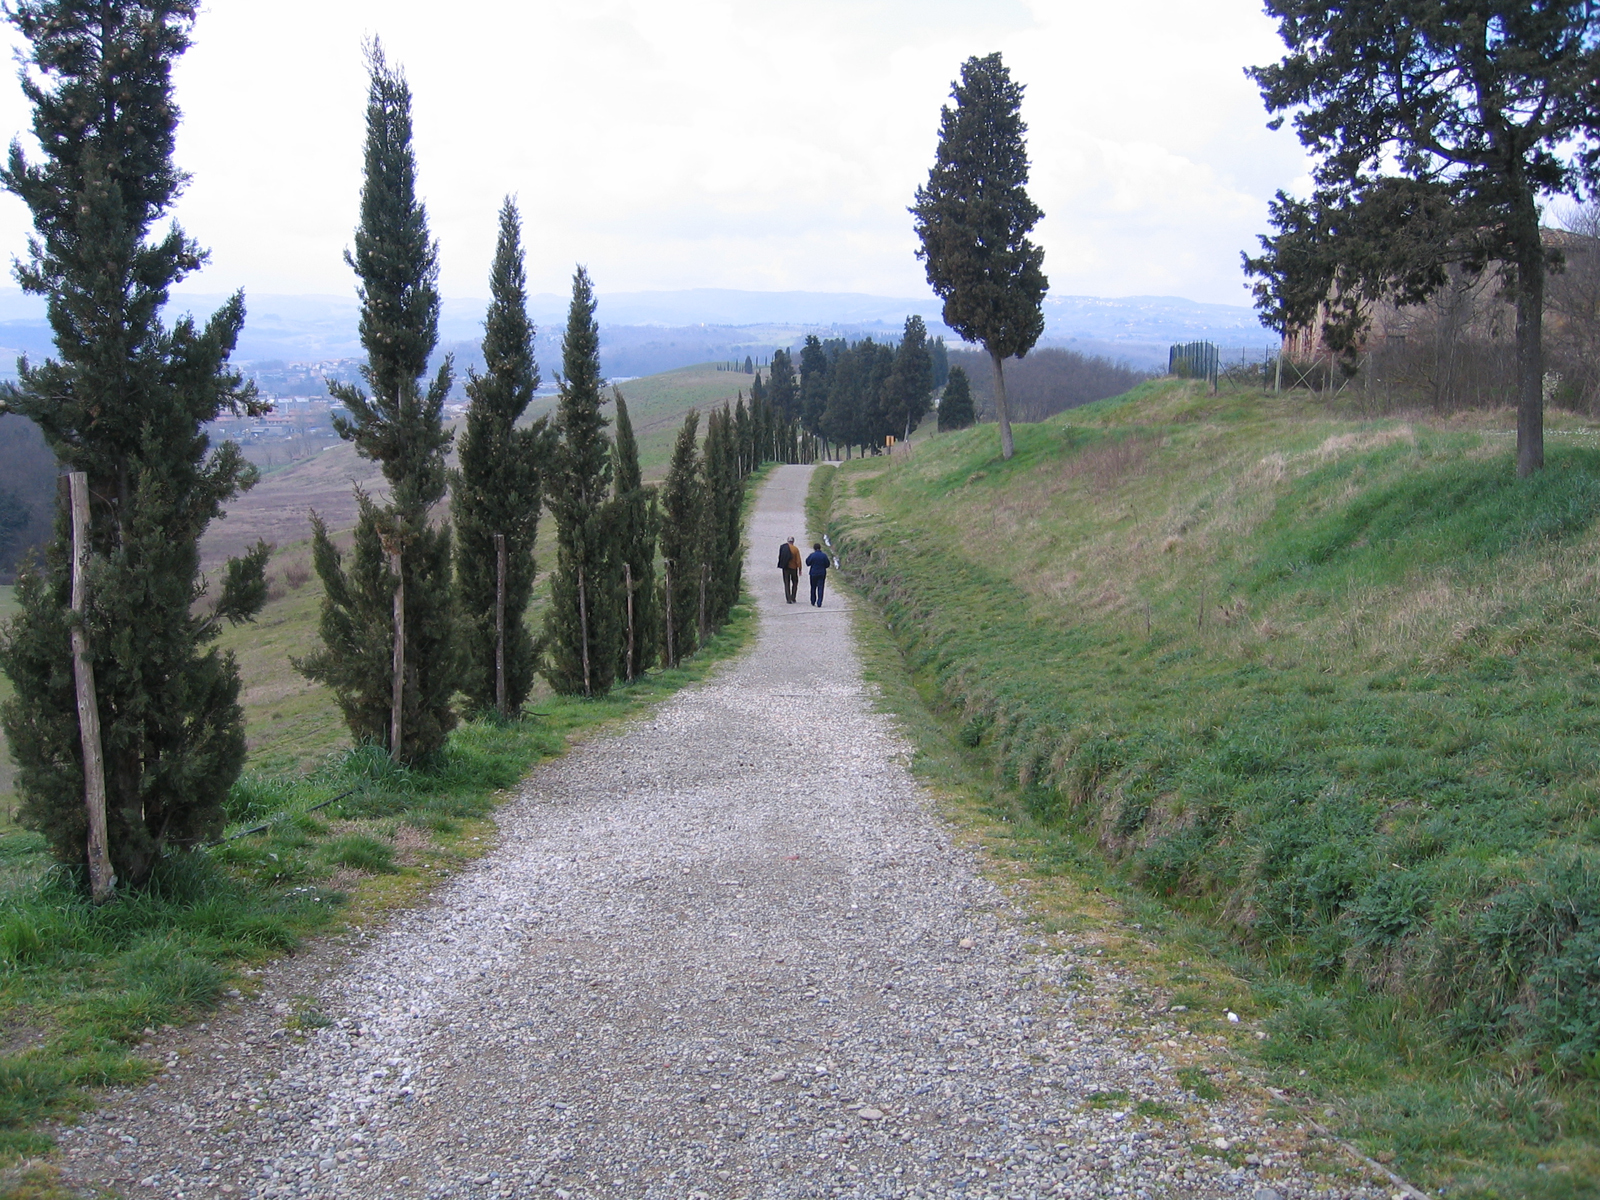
[1327, 687]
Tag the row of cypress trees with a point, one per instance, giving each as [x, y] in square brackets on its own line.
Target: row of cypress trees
[858, 394]
[412, 617]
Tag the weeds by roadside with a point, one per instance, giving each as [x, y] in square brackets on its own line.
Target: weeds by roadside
[1314, 687]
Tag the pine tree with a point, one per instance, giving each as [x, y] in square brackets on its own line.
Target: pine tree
[500, 489]
[637, 524]
[582, 625]
[974, 217]
[372, 605]
[125, 400]
[955, 405]
[682, 498]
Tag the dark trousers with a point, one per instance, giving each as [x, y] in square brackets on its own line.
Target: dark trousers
[791, 583]
[816, 589]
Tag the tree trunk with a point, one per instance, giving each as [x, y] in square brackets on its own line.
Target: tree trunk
[500, 624]
[1007, 447]
[1530, 341]
[672, 649]
[583, 631]
[627, 584]
[398, 700]
[101, 877]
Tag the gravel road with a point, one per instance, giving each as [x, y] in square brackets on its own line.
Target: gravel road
[727, 951]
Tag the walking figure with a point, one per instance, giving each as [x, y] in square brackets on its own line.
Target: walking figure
[819, 563]
[789, 564]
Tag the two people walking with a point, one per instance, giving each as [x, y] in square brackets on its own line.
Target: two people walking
[789, 563]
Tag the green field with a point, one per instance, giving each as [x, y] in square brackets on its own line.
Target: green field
[657, 404]
[1328, 685]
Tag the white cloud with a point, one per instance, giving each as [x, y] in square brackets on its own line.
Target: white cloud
[759, 145]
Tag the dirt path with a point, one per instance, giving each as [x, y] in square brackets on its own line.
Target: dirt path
[727, 951]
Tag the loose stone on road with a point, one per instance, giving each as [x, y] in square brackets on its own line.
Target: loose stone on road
[728, 950]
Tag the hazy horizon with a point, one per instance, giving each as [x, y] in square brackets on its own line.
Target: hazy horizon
[688, 144]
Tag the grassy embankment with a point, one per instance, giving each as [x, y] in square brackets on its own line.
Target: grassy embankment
[1326, 687]
[80, 986]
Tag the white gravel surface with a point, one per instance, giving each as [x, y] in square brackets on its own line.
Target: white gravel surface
[729, 950]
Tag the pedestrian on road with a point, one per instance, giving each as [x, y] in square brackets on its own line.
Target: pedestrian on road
[819, 564]
[789, 564]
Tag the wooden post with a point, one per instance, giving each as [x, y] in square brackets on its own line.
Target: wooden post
[1277, 378]
[101, 877]
[705, 580]
[627, 584]
[398, 700]
[672, 650]
[583, 631]
[500, 624]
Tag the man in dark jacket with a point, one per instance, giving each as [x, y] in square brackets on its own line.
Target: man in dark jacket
[789, 564]
[819, 564]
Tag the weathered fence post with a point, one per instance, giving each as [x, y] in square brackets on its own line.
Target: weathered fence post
[500, 624]
[583, 630]
[101, 877]
[627, 584]
[397, 701]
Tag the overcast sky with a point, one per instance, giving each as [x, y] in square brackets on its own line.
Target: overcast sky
[689, 143]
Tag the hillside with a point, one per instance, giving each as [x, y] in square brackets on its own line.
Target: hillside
[1329, 684]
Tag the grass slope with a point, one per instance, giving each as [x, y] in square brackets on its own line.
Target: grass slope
[657, 404]
[1330, 684]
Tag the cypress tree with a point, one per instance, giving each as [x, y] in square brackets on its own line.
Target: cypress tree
[781, 392]
[125, 400]
[399, 427]
[581, 624]
[500, 487]
[744, 437]
[720, 540]
[955, 405]
[682, 498]
[814, 385]
[973, 218]
[909, 389]
[637, 524]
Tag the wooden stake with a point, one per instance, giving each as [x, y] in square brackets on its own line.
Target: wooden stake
[397, 702]
[500, 624]
[627, 583]
[101, 877]
[583, 630]
[672, 653]
[705, 579]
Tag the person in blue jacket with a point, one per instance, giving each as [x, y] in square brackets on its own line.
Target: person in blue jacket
[819, 564]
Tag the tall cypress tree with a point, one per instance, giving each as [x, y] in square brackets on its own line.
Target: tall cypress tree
[973, 218]
[636, 521]
[125, 401]
[399, 427]
[500, 488]
[682, 498]
[720, 533]
[910, 386]
[781, 392]
[581, 624]
[955, 405]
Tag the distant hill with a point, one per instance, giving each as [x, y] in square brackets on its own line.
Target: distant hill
[645, 333]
